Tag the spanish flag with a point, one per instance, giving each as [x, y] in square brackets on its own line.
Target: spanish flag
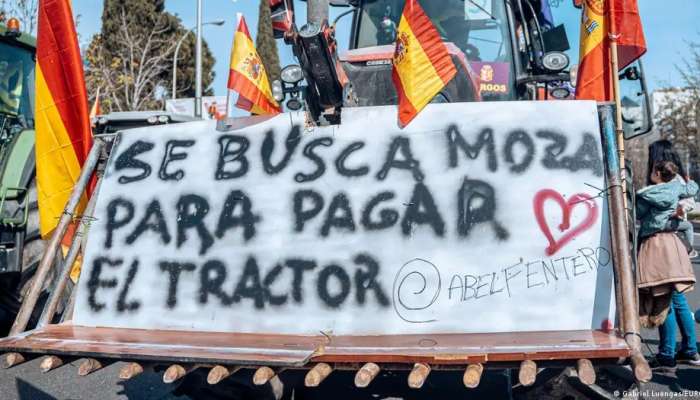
[63, 136]
[421, 65]
[247, 75]
[602, 21]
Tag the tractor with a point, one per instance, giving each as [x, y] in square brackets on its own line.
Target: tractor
[20, 241]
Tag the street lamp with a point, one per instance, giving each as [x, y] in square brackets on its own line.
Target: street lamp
[217, 22]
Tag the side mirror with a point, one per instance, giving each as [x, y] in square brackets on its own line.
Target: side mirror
[635, 102]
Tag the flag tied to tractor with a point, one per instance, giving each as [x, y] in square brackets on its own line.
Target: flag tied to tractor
[247, 75]
[63, 135]
[422, 65]
[602, 22]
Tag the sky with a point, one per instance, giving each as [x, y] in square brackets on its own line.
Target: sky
[668, 26]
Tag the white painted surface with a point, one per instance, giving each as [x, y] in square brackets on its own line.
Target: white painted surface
[419, 272]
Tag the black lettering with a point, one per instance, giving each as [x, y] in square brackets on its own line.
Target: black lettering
[422, 210]
[122, 303]
[455, 142]
[302, 215]
[575, 266]
[521, 137]
[339, 215]
[587, 157]
[551, 271]
[554, 149]
[494, 277]
[366, 281]
[112, 222]
[333, 300]
[152, 220]
[603, 252]
[476, 204]
[459, 286]
[508, 276]
[249, 285]
[191, 210]
[318, 161]
[228, 156]
[528, 274]
[340, 161]
[95, 282]
[475, 280]
[481, 285]
[589, 254]
[299, 266]
[268, 281]
[211, 284]
[127, 160]
[403, 145]
[246, 219]
[387, 216]
[268, 147]
[170, 156]
[174, 269]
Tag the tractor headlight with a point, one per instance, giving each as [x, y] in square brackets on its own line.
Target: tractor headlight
[294, 104]
[277, 91]
[555, 61]
[292, 74]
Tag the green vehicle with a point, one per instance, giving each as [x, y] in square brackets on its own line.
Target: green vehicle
[20, 242]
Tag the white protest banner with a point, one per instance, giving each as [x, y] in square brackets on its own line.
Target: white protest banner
[479, 217]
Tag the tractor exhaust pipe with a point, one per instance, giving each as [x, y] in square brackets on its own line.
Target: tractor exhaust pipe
[317, 12]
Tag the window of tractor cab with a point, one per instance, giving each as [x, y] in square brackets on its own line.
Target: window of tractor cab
[478, 29]
[16, 82]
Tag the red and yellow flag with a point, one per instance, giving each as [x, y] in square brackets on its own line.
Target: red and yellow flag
[247, 75]
[421, 65]
[602, 20]
[63, 136]
[626, 28]
[593, 81]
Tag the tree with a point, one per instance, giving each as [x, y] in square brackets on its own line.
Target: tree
[265, 42]
[24, 10]
[678, 114]
[131, 58]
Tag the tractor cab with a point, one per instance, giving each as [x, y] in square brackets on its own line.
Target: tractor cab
[503, 51]
[17, 59]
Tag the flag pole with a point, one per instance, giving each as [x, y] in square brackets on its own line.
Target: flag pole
[620, 133]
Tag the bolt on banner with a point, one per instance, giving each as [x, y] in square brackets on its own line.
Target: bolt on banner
[478, 217]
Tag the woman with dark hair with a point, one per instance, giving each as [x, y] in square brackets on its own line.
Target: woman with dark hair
[660, 251]
[662, 150]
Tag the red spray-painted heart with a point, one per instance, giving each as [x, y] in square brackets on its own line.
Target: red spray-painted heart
[566, 207]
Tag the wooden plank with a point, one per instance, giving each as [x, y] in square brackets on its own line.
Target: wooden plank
[474, 348]
[294, 351]
[187, 347]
